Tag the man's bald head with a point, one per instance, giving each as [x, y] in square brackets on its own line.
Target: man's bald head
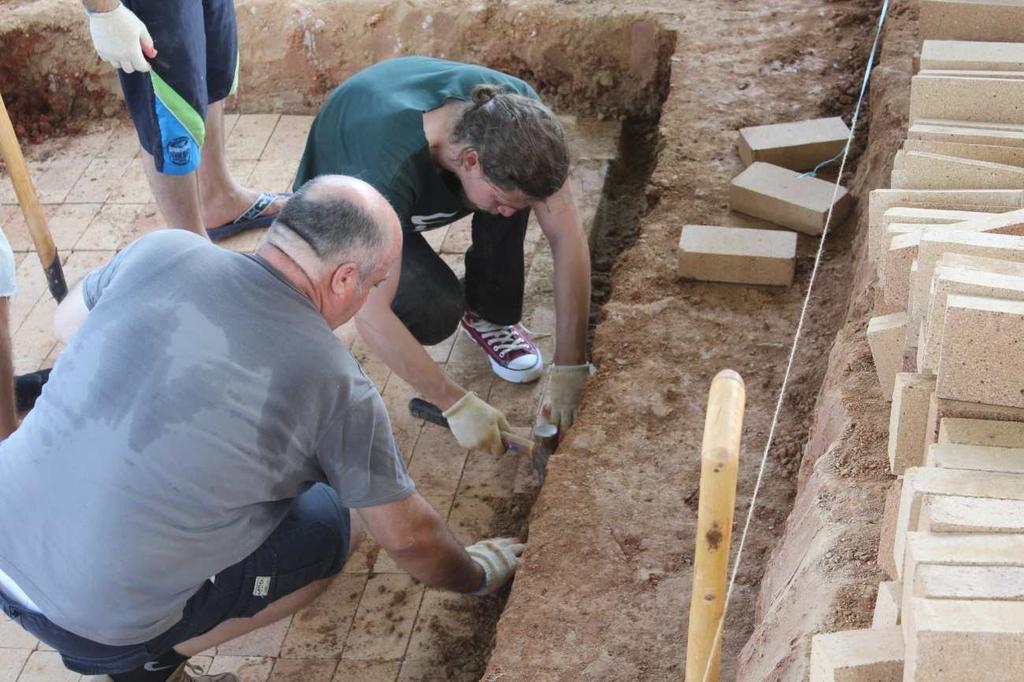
[339, 218]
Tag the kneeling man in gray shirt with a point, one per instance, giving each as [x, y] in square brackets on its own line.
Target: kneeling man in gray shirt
[191, 469]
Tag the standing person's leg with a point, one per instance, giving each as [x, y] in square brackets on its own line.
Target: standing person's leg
[495, 279]
[167, 105]
[8, 418]
[224, 199]
[429, 299]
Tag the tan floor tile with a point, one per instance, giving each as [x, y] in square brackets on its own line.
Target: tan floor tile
[437, 462]
[69, 222]
[13, 636]
[487, 474]
[441, 612]
[456, 263]
[249, 136]
[263, 642]
[384, 619]
[11, 663]
[472, 516]
[147, 219]
[320, 629]
[109, 227]
[406, 427]
[436, 237]
[247, 668]
[367, 671]
[7, 195]
[132, 187]
[347, 333]
[123, 142]
[46, 666]
[428, 671]
[34, 340]
[292, 670]
[439, 352]
[289, 138]
[459, 238]
[229, 123]
[273, 175]
[55, 177]
[362, 560]
[7, 210]
[31, 287]
[373, 366]
[16, 230]
[90, 141]
[469, 367]
[518, 401]
[98, 179]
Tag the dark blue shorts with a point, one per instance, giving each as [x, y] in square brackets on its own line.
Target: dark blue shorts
[196, 63]
[311, 543]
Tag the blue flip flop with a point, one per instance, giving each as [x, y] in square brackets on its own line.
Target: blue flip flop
[250, 218]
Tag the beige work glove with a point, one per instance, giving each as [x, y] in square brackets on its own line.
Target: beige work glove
[499, 558]
[477, 425]
[120, 37]
[565, 392]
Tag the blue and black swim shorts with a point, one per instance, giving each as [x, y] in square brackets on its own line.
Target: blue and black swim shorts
[196, 63]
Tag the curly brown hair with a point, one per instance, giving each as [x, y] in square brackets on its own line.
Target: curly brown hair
[521, 143]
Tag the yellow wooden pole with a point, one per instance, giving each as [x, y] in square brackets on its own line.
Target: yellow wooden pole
[720, 454]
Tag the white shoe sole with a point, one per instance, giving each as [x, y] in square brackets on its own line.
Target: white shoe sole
[519, 376]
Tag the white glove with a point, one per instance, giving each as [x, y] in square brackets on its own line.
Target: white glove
[499, 558]
[477, 425]
[566, 391]
[118, 36]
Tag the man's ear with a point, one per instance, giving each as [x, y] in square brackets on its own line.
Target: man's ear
[470, 159]
[345, 278]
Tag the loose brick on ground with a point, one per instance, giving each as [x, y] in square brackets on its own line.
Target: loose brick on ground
[981, 432]
[887, 335]
[873, 655]
[982, 353]
[959, 514]
[783, 197]
[995, 20]
[921, 481]
[799, 145]
[950, 640]
[737, 255]
[908, 420]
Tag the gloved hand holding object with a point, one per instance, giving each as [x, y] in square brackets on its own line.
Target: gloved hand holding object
[476, 425]
[121, 39]
[566, 391]
[499, 558]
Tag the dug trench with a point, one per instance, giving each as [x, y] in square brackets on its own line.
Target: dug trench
[605, 585]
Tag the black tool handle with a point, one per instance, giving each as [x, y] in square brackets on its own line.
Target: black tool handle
[55, 278]
[418, 407]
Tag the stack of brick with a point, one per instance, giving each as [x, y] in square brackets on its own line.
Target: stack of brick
[773, 189]
[947, 340]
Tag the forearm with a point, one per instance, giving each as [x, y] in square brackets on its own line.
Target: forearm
[392, 342]
[572, 297]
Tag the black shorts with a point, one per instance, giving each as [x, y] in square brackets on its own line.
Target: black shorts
[311, 543]
[196, 63]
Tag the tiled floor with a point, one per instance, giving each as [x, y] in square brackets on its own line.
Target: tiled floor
[375, 622]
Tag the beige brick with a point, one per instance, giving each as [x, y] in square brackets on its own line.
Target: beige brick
[881, 200]
[972, 55]
[971, 242]
[967, 73]
[738, 255]
[959, 514]
[966, 99]
[874, 655]
[800, 145]
[976, 457]
[1004, 583]
[922, 170]
[949, 281]
[1010, 156]
[908, 420]
[951, 640]
[781, 196]
[887, 529]
[887, 605]
[921, 481]
[887, 336]
[895, 272]
[966, 135]
[942, 408]
[996, 20]
[981, 356]
[981, 432]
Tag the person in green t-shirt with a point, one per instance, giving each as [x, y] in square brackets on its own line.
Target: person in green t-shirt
[441, 140]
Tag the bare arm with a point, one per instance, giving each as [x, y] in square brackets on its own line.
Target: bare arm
[392, 342]
[560, 222]
[419, 541]
[71, 313]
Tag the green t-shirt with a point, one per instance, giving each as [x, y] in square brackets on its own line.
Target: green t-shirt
[371, 127]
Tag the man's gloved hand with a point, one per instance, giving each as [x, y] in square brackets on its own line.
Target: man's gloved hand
[120, 38]
[499, 558]
[566, 391]
[477, 425]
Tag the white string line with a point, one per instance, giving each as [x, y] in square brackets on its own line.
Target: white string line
[796, 340]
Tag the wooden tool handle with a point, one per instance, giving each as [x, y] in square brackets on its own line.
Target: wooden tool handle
[29, 202]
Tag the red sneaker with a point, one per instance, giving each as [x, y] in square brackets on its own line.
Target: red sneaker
[513, 356]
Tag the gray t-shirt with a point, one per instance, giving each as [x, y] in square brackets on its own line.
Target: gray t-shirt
[201, 395]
